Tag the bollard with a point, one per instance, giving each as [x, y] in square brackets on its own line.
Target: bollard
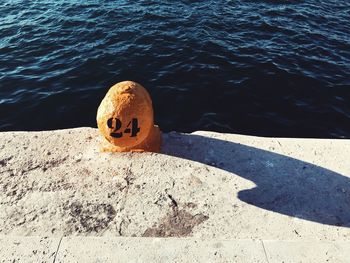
[125, 119]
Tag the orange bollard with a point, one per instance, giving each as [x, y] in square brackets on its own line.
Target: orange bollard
[125, 119]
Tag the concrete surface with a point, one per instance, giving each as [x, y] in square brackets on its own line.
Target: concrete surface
[203, 185]
[75, 249]
[147, 249]
[307, 251]
[28, 249]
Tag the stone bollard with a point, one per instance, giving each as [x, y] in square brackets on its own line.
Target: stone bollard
[125, 119]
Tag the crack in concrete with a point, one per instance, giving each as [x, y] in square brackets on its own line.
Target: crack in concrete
[120, 227]
[262, 243]
[129, 181]
[58, 247]
[174, 205]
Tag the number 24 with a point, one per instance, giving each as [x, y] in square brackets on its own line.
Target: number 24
[116, 124]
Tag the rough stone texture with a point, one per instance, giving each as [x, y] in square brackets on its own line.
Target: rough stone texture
[204, 185]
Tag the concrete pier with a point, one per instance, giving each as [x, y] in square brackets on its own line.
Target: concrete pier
[241, 197]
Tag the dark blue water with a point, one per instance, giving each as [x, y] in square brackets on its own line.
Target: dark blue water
[271, 68]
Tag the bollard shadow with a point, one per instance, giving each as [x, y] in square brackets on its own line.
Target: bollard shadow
[283, 184]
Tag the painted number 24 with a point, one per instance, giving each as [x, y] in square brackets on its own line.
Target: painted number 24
[116, 124]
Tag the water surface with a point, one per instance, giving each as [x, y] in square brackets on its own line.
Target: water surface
[270, 68]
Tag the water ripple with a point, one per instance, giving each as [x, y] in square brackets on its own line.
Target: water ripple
[272, 67]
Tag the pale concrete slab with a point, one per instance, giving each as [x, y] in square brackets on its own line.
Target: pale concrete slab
[95, 249]
[28, 249]
[202, 185]
[145, 249]
[307, 251]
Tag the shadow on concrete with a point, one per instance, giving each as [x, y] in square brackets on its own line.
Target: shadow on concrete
[283, 184]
